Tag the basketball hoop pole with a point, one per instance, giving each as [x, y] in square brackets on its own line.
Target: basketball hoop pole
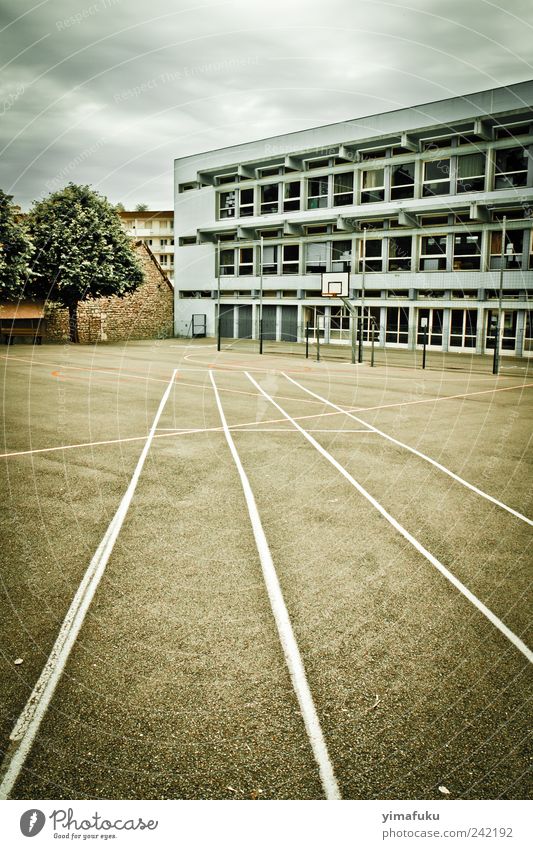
[362, 320]
[261, 296]
[218, 295]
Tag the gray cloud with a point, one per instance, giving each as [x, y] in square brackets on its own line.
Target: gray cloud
[110, 91]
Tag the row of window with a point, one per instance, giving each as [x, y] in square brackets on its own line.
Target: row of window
[453, 175]
[445, 252]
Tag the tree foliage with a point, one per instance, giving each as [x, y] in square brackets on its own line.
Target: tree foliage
[81, 249]
[141, 207]
[15, 253]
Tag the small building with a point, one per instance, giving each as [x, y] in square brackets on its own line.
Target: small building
[156, 230]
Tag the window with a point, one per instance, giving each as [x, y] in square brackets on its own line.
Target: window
[341, 255]
[528, 333]
[433, 329]
[511, 131]
[530, 239]
[343, 189]
[400, 253]
[291, 259]
[466, 251]
[471, 172]
[464, 293]
[227, 263]
[184, 240]
[163, 243]
[270, 259]
[291, 196]
[514, 245]
[269, 198]
[397, 327]
[246, 206]
[437, 177]
[317, 163]
[246, 261]
[227, 204]
[463, 328]
[511, 168]
[373, 258]
[373, 189]
[433, 253]
[317, 193]
[316, 257]
[403, 181]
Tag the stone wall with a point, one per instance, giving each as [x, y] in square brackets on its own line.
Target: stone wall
[147, 313]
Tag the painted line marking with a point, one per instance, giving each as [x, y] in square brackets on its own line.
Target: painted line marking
[512, 637]
[283, 624]
[29, 721]
[417, 453]
[181, 432]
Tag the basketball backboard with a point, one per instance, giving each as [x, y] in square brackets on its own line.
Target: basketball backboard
[335, 284]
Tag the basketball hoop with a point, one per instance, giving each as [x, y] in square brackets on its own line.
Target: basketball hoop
[335, 284]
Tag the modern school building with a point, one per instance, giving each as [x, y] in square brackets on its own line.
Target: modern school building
[429, 209]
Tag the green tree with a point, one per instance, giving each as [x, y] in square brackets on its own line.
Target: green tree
[15, 252]
[141, 207]
[81, 250]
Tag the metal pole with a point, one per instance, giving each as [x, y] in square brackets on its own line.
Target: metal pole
[496, 361]
[261, 296]
[373, 335]
[424, 347]
[355, 319]
[317, 331]
[362, 321]
[218, 295]
[306, 340]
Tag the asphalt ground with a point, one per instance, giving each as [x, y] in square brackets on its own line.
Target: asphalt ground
[177, 686]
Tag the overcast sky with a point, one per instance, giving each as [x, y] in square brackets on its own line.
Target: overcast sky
[109, 92]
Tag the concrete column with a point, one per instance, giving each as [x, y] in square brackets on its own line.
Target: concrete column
[446, 318]
[480, 332]
[411, 338]
[520, 329]
[382, 326]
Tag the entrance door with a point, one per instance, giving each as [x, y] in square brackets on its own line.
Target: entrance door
[226, 321]
[289, 324]
[269, 322]
[507, 333]
[245, 322]
[434, 327]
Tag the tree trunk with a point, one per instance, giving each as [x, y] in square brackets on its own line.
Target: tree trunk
[73, 322]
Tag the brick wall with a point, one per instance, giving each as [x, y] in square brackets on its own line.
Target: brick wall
[148, 313]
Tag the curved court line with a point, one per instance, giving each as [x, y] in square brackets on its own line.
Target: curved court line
[23, 735]
[511, 636]
[418, 454]
[283, 624]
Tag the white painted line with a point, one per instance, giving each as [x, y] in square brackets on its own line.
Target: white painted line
[29, 721]
[414, 451]
[516, 641]
[283, 624]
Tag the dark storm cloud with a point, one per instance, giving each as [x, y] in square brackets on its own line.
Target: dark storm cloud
[109, 92]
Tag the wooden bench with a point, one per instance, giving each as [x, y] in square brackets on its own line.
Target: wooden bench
[9, 328]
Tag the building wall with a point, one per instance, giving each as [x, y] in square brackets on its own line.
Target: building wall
[156, 230]
[147, 313]
[445, 131]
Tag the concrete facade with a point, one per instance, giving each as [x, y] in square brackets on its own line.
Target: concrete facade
[430, 185]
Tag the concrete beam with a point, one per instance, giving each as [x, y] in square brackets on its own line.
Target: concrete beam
[205, 179]
[482, 129]
[292, 229]
[246, 171]
[345, 224]
[477, 212]
[406, 219]
[204, 238]
[294, 162]
[408, 143]
[347, 153]
[245, 232]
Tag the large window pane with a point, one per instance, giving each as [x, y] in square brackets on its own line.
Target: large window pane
[403, 181]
